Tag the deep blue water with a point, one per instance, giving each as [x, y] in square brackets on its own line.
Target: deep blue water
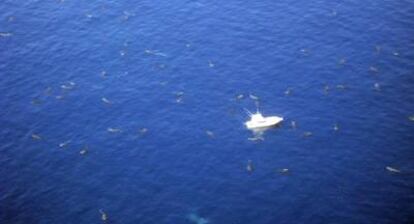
[171, 71]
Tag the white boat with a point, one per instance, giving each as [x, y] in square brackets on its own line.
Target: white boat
[257, 121]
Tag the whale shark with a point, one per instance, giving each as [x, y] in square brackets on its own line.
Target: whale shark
[194, 218]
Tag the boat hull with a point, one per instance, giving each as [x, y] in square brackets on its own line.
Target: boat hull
[265, 123]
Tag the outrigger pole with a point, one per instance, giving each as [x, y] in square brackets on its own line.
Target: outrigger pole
[248, 112]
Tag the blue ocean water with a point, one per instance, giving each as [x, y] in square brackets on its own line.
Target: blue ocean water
[135, 109]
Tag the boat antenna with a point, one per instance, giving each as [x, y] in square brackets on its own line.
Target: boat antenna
[257, 106]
